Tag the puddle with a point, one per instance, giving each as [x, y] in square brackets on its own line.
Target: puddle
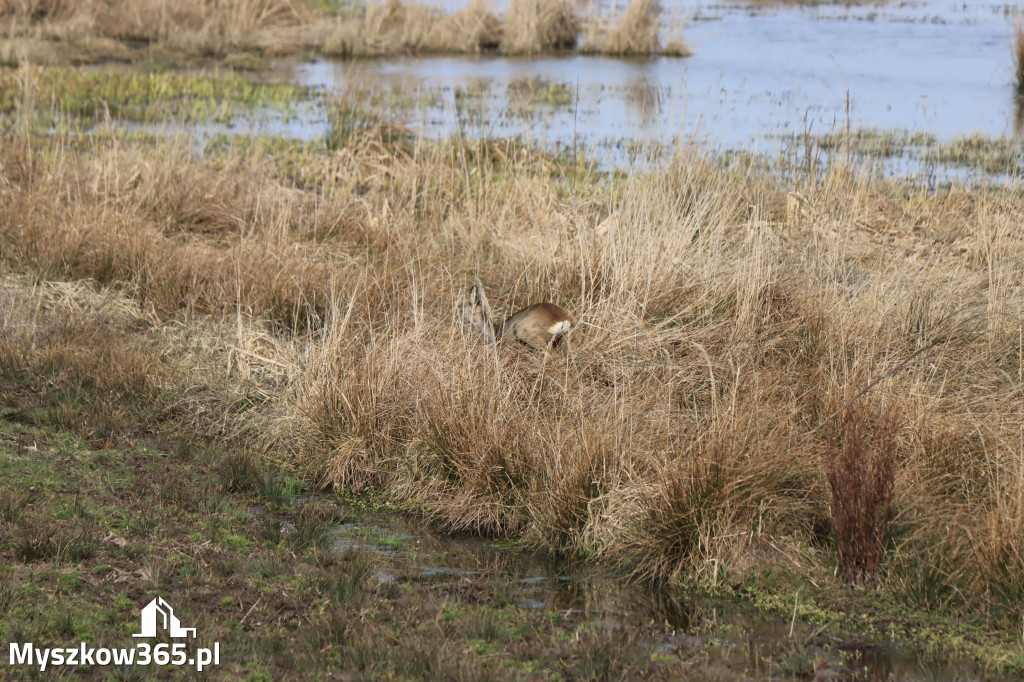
[403, 549]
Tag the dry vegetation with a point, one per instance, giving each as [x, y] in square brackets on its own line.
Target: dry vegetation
[540, 26]
[98, 30]
[635, 33]
[721, 321]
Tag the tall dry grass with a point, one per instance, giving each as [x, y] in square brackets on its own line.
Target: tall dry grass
[861, 473]
[676, 435]
[534, 26]
[54, 30]
[191, 27]
[636, 32]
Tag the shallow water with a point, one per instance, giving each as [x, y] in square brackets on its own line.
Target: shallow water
[403, 548]
[760, 75]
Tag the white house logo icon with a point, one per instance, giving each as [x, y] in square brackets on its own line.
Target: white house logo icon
[160, 611]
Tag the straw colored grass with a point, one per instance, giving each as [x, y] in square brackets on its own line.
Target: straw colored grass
[534, 26]
[243, 30]
[723, 316]
[191, 27]
[636, 32]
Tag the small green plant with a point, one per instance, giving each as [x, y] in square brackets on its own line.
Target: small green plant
[311, 528]
[796, 661]
[347, 578]
[12, 504]
[244, 472]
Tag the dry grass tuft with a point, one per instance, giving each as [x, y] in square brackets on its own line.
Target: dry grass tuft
[636, 33]
[190, 27]
[535, 26]
[861, 477]
[35, 10]
[479, 26]
[396, 27]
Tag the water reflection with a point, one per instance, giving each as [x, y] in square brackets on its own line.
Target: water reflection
[758, 75]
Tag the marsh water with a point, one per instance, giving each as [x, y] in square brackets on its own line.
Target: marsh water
[403, 549]
[762, 76]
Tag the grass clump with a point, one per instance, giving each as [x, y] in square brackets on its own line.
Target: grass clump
[538, 26]
[978, 150]
[636, 33]
[244, 32]
[350, 123]
[995, 155]
[876, 143]
[861, 477]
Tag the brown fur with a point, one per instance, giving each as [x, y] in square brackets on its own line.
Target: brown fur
[533, 325]
[537, 325]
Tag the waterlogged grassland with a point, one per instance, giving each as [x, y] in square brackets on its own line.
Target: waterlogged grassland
[313, 284]
[90, 534]
[848, 617]
[995, 155]
[88, 94]
[108, 499]
[111, 496]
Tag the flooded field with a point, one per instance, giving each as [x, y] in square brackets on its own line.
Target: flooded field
[782, 442]
[762, 78]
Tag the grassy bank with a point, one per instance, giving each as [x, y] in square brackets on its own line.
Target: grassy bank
[709, 416]
[244, 31]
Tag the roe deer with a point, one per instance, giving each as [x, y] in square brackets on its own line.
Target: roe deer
[539, 325]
